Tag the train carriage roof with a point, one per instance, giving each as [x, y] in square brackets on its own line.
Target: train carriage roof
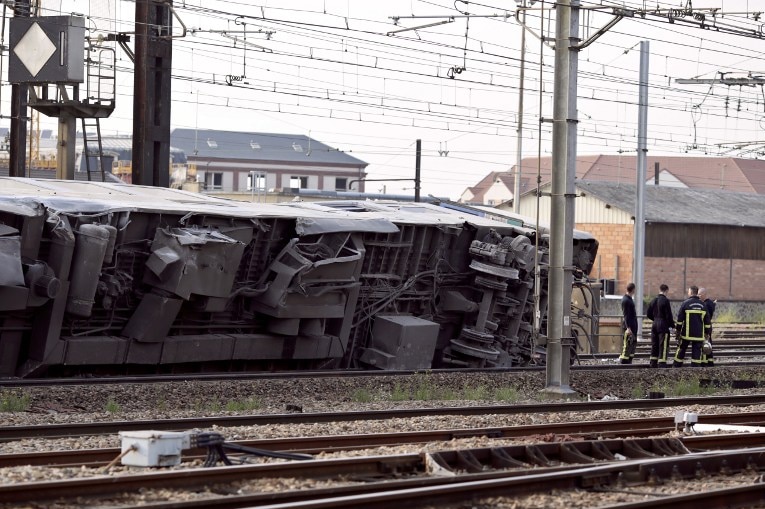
[21, 196]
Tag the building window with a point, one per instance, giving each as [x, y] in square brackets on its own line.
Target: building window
[213, 181]
[256, 181]
[341, 184]
[212, 143]
[299, 182]
[297, 147]
[254, 145]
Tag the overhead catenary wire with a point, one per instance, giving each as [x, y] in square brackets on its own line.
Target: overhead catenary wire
[483, 66]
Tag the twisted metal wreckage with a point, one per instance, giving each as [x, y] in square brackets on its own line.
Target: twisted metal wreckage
[99, 277]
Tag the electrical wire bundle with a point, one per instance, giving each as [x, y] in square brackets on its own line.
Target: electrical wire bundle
[217, 449]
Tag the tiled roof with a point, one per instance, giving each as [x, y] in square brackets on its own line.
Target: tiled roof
[479, 190]
[723, 173]
[697, 172]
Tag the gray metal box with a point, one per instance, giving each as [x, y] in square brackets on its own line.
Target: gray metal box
[47, 49]
[401, 342]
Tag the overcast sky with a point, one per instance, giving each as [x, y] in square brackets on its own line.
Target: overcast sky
[347, 73]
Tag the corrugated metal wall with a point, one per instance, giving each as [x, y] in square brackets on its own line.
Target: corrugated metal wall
[587, 210]
[704, 241]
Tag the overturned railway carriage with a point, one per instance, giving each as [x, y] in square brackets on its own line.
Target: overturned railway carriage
[99, 277]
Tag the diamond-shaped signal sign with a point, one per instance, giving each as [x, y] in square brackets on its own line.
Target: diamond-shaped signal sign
[34, 49]
[48, 49]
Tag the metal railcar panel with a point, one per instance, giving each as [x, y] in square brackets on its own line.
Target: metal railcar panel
[128, 278]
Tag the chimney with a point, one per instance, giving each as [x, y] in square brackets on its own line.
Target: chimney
[656, 173]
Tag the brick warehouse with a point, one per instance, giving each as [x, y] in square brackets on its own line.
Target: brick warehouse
[710, 238]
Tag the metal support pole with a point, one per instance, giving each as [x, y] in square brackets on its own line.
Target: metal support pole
[151, 108]
[519, 131]
[417, 172]
[19, 101]
[567, 341]
[562, 204]
[18, 134]
[66, 147]
[639, 232]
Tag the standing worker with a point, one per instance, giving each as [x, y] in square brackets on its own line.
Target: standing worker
[709, 303]
[693, 326]
[629, 326]
[707, 358]
[660, 313]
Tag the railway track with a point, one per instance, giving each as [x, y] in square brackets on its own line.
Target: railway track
[642, 427]
[754, 358]
[579, 429]
[17, 432]
[731, 344]
[722, 332]
[418, 479]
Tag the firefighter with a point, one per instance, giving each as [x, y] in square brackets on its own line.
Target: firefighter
[660, 313]
[693, 326]
[707, 358]
[629, 326]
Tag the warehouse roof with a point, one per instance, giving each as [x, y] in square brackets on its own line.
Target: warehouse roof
[271, 147]
[681, 204]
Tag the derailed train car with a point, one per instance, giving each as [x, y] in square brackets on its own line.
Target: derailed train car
[113, 278]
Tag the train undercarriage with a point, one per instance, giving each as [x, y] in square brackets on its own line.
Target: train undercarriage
[113, 278]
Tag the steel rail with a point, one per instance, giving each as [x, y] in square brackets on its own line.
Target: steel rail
[113, 427]
[290, 375]
[643, 427]
[741, 496]
[417, 490]
[465, 489]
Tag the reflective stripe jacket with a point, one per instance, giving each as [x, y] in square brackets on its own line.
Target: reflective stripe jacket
[693, 319]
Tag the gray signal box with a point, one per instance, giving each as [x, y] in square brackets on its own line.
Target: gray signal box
[48, 49]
